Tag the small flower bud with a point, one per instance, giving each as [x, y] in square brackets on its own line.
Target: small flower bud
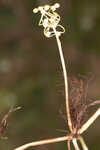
[57, 5]
[35, 10]
[46, 7]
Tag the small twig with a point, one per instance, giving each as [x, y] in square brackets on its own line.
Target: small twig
[48, 141]
[84, 146]
[68, 144]
[4, 121]
[89, 122]
[75, 144]
[94, 103]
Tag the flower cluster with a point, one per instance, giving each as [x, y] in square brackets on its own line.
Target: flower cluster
[50, 20]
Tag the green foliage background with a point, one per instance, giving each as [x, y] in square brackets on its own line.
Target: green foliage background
[31, 73]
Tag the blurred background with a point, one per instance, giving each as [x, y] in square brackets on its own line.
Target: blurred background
[31, 73]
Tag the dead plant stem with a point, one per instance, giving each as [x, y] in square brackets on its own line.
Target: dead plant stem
[65, 79]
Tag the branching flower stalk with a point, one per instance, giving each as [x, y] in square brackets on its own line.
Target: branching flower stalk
[50, 21]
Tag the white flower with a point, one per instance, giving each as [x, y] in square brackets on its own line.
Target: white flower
[50, 20]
